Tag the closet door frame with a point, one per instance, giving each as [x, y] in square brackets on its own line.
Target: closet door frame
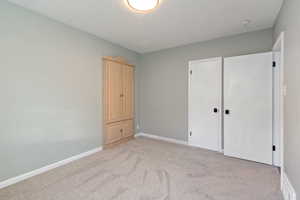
[220, 112]
[279, 46]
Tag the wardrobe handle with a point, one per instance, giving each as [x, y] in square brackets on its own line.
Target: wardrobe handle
[216, 110]
[121, 130]
[121, 95]
[227, 112]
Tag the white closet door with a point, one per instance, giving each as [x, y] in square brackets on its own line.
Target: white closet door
[248, 107]
[205, 100]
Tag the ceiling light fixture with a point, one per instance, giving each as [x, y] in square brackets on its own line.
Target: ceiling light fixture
[143, 5]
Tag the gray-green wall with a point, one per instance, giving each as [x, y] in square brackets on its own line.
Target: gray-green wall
[289, 22]
[50, 86]
[163, 94]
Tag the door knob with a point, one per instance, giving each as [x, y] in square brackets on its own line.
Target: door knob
[227, 112]
[216, 110]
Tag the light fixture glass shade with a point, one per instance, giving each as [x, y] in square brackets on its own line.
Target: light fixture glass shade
[143, 5]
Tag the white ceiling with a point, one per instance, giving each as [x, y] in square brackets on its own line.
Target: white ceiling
[173, 23]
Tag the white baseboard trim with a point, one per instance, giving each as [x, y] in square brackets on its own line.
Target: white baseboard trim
[161, 138]
[28, 175]
[288, 190]
[171, 140]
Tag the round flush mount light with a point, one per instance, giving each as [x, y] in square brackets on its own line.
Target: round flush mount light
[143, 5]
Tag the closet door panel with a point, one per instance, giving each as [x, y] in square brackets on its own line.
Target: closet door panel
[128, 94]
[205, 103]
[248, 107]
[114, 108]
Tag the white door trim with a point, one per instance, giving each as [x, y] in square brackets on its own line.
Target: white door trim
[189, 94]
[279, 44]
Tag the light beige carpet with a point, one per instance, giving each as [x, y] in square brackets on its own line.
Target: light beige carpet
[146, 169]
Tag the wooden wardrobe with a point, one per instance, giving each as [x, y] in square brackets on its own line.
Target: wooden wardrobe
[118, 101]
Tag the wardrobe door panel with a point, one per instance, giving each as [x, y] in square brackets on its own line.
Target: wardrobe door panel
[128, 94]
[114, 108]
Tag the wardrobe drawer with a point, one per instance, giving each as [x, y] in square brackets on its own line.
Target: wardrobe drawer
[127, 128]
[114, 132]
